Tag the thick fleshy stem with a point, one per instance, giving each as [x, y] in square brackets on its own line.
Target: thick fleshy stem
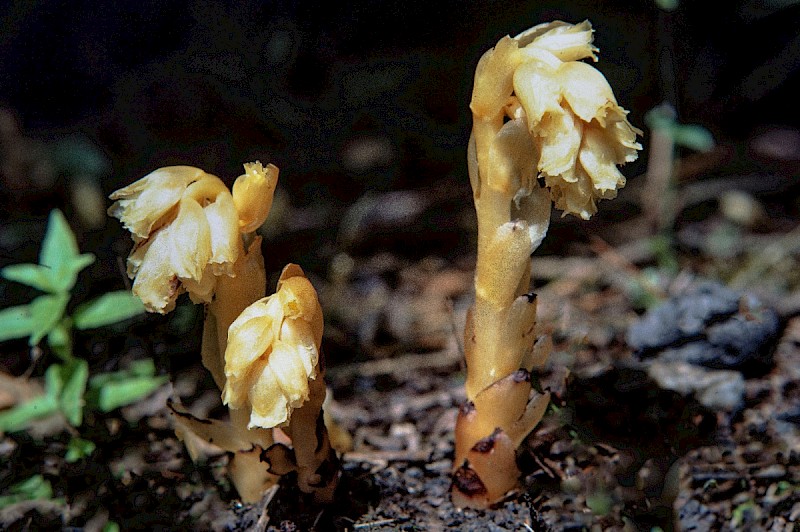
[312, 457]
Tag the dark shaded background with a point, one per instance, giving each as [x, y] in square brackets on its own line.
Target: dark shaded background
[353, 97]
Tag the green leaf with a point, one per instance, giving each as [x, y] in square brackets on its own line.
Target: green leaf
[111, 526]
[693, 137]
[142, 368]
[690, 136]
[17, 418]
[33, 488]
[69, 275]
[116, 394]
[46, 312]
[60, 339]
[15, 322]
[77, 449]
[75, 375]
[59, 245]
[54, 381]
[120, 388]
[107, 309]
[60, 253]
[34, 275]
[138, 368]
[660, 117]
[20, 416]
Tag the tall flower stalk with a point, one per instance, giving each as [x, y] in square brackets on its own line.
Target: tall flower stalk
[546, 129]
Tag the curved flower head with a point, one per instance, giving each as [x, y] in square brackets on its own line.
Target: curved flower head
[273, 351]
[252, 194]
[186, 232]
[577, 131]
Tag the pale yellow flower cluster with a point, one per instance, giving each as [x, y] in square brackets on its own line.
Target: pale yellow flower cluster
[273, 351]
[186, 226]
[556, 115]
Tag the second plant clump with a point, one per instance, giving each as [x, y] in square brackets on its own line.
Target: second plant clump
[546, 129]
[192, 234]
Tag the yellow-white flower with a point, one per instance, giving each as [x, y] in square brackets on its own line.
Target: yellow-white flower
[186, 232]
[577, 131]
[273, 351]
[253, 192]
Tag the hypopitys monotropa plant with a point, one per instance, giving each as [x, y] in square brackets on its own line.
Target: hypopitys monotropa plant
[546, 129]
[274, 370]
[191, 234]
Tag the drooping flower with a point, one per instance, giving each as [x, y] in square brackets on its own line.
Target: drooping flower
[253, 192]
[273, 351]
[185, 228]
[578, 134]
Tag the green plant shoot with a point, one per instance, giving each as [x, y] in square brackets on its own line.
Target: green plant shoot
[46, 318]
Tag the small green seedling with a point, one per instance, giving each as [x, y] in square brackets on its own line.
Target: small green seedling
[46, 318]
[30, 489]
[692, 136]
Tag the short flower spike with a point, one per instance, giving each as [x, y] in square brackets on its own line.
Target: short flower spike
[273, 351]
[191, 234]
[272, 371]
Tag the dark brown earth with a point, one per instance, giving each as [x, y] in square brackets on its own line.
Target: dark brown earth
[615, 451]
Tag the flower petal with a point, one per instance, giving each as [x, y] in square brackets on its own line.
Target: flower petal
[586, 90]
[156, 283]
[141, 205]
[599, 160]
[191, 241]
[286, 364]
[223, 224]
[568, 42]
[538, 92]
[251, 335]
[253, 193]
[511, 158]
[269, 405]
[560, 142]
[300, 333]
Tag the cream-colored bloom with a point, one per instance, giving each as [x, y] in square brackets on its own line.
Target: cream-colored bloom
[252, 194]
[578, 132]
[186, 232]
[273, 351]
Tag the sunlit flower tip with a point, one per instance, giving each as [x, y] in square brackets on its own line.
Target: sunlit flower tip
[273, 351]
[225, 241]
[185, 229]
[253, 192]
[581, 132]
[141, 205]
[568, 42]
[493, 78]
[300, 303]
[164, 266]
